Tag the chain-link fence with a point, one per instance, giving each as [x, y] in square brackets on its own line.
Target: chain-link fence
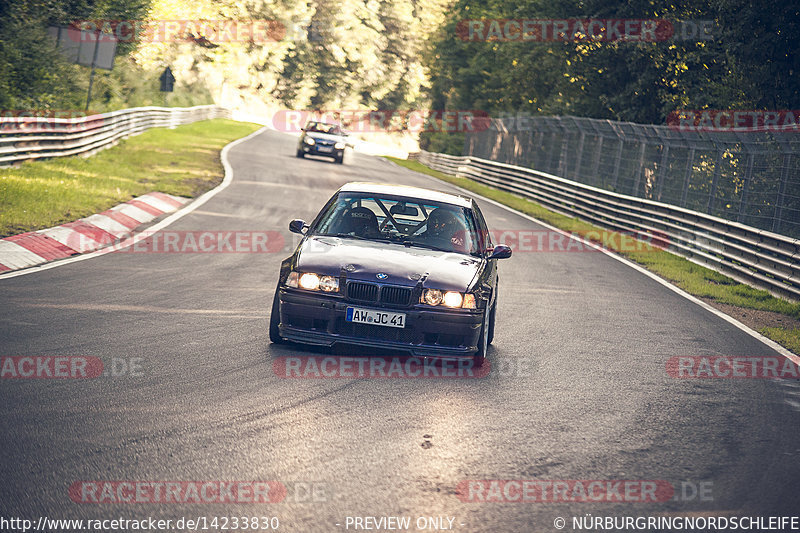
[748, 177]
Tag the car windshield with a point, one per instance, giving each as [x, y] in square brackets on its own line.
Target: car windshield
[322, 127]
[405, 221]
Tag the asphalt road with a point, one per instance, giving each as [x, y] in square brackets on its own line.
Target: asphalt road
[578, 388]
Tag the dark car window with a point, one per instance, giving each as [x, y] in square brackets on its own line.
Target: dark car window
[323, 127]
[482, 227]
[405, 221]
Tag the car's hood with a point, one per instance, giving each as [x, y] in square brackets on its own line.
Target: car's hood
[362, 260]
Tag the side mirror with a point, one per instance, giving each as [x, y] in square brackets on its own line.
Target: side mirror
[500, 251]
[297, 226]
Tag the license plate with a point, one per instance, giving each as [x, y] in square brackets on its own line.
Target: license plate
[325, 148]
[375, 318]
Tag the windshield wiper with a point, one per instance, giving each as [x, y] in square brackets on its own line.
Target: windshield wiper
[359, 237]
[407, 242]
[345, 236]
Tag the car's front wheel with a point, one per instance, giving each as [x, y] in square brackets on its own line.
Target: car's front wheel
[339, 160]
[275, 320]
[300, 154]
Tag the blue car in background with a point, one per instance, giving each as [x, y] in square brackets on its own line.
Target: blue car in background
[322, 138]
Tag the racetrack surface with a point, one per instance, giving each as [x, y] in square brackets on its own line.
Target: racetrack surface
[578, 388]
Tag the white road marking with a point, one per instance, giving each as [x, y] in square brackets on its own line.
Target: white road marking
[139, 215]
[108, 224]
[71, 238]
[157, 203]
[16, 256]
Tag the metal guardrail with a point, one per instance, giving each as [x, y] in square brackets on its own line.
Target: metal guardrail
[753, 256]
[26, 138]
[750, 177]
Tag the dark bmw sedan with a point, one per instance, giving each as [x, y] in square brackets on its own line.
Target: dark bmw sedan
[390, 266]
[321, 138]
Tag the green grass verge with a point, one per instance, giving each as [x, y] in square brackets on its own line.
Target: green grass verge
[692, 278]
[184, 161]
[786, 337]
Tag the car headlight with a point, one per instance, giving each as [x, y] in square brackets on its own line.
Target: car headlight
[432, 296]
[309, 281]
[312, 282]
[310, 141]
[328, 284]
[339, 146]
[452, 299]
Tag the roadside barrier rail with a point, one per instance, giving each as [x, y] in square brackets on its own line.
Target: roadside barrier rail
[24, 138]
[753, 256]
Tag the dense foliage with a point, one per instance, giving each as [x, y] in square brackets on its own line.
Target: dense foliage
[751, 62]
[345, 54]
[381, 54]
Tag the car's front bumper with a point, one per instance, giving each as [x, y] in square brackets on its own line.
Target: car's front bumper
[320, 319]
[316, 150]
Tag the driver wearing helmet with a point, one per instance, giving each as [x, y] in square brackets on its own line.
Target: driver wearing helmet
[444, 230]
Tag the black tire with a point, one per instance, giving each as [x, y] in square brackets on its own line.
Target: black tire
[480, 354]
[300, 154]
[274, 320]
[339, 160]
[492, 315]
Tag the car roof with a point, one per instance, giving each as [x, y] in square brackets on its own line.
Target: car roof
[407, 191]
[323, 123]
